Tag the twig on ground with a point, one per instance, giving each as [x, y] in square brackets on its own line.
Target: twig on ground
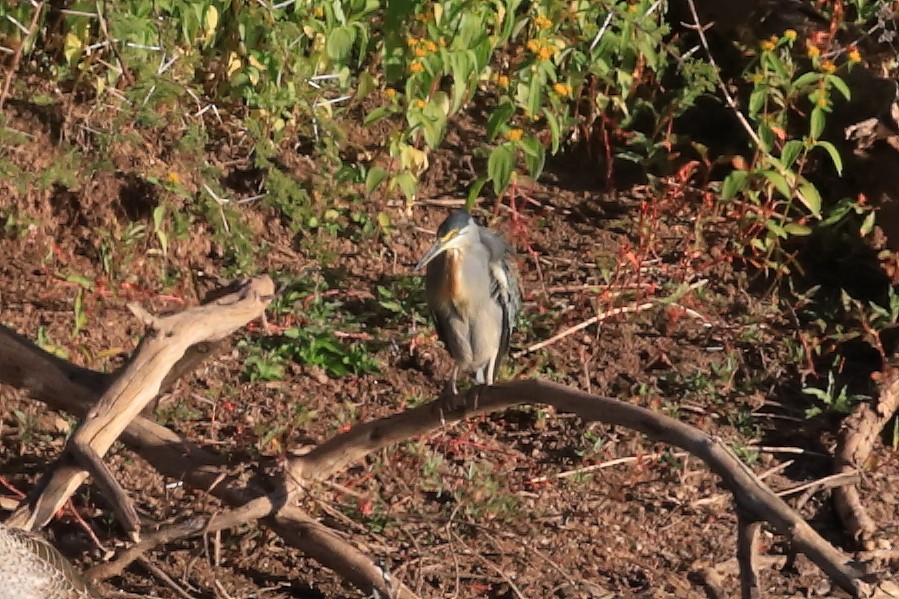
[613, 312]
[603, 465]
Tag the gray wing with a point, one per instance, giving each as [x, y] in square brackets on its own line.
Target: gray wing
[505, 284]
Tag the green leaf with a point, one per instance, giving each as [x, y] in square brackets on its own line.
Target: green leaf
[807, 80]
[816, 123]
[373, 178]
[340, 42]
[733, 184]
[790, 152]
[534, 155]
[407, 184]
[809, 196]
[499, 166]
[757, 99]
[779, 182]
[376, 115]
[462, 71]
[766, 137]
[499, 117]
[474, 192]
[834, 155]
[535, 95]
[867, 224]
[840, 85]
[555, 129]
[797, 230]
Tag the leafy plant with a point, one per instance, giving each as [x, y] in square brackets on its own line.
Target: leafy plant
[771, 193]
[832, 399]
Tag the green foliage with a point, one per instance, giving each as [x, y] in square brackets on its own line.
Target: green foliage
[832, 398]
[607, 55]
[326, 337]
[788, 107]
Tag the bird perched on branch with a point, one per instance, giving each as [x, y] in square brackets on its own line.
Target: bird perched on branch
[472, 288]
[32, 568]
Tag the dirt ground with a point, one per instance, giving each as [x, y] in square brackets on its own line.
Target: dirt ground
[524, 503]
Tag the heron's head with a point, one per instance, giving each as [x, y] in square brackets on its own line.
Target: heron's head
[456, 232]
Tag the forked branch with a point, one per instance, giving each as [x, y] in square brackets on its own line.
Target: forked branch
[166, 342]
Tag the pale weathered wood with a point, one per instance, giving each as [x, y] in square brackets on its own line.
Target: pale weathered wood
[65, 386]
[753, 498]
[164, 345]
[857, 437]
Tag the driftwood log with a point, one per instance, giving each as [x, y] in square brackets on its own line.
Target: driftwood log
[80, 391]
[166, 342]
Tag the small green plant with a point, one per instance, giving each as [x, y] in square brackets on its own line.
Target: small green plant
[327, 337]
[832, 399]
[747, 454]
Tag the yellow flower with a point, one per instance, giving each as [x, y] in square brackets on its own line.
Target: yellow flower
[828, 66]
[541, 22]
[411, 41]
[790, 34]
[431, 46]
[813, 51]
[514, 134]
[421, 51]
[503, 80]
[756, 78]
[632, 8]
[534, 46]
[390, 93]
[546, 52]
[319, 12]
[767, 45]
[420, 104]
[173, 177]
[416, 67]
[822, 103]
[563, 89]
[854, 55]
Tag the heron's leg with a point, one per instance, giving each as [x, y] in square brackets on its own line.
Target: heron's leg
[454, 374]
[491, 372]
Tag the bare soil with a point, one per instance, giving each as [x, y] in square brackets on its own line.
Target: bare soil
[526, 503]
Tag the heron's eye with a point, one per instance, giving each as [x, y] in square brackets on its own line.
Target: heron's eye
[449, 235]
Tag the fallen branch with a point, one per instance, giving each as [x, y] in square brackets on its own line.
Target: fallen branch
[63, 385]
[859, 433]
[166, 342]
[168, 453]
[754, 499]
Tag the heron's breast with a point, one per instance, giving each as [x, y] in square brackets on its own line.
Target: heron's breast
[454, 290]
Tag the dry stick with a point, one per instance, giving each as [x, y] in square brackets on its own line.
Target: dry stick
[115, 567]
[857, 438]
[63, 385]
[732, 104]
[17, 57]
[613, 312]
[752, 497]
[747, 534]
[166, 342]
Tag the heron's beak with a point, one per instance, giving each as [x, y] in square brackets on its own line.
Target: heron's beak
[436, 249]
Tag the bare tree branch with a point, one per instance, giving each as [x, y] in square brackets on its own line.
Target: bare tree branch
[63, 385]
